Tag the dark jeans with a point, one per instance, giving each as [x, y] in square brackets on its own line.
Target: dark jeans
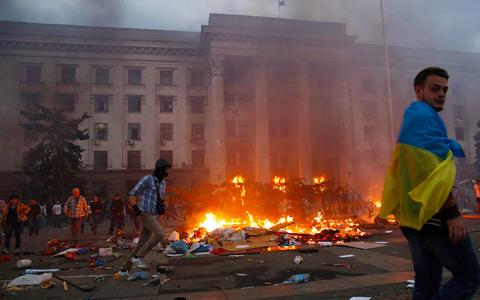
[433, 251]
[57, 220]
[34, 225]
[9, 230]
[117, 221]
[75, 229]
[94, 221]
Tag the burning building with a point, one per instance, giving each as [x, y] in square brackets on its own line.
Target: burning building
[246, 95]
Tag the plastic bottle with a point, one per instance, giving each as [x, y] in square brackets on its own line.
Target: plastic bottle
[298, 278]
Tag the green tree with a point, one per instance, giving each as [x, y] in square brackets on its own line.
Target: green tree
[54, 163]
[476, 138]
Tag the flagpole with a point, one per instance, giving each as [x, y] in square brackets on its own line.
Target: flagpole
[389, 85]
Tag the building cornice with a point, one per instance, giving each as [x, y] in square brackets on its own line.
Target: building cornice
[97, 48]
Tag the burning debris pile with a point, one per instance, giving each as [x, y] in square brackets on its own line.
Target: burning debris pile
[241, 217]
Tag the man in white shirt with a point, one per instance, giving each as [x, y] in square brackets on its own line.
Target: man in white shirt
[57, 214]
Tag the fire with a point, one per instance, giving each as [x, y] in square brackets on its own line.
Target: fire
[248, 219]
[279, 184]
[239, 182]
[377, 203]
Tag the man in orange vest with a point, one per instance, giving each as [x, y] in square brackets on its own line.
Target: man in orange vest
[76, 208]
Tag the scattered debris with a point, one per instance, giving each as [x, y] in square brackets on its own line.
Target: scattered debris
[241, 274]
[298, 259]
[298, 278]
[40, 271]
[24, 263]
[360, 298]
[346, 255]
[30, 279]
[361, 245]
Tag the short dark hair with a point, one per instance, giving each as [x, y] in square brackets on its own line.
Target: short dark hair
[423, 74]
[13, 196]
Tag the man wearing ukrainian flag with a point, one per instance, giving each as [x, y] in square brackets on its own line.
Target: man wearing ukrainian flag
[418, 192]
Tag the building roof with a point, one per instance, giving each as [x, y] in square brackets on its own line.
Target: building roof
[96, 33]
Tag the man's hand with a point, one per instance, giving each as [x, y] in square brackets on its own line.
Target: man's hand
[456, 229]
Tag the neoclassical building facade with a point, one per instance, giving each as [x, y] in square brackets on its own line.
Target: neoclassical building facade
[245, 95]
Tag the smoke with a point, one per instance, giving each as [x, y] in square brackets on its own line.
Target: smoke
[439, 24]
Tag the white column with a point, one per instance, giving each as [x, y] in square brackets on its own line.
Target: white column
[262, 141]
[216, 122]
[304, 122]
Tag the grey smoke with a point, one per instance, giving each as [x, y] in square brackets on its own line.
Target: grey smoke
[439, 24]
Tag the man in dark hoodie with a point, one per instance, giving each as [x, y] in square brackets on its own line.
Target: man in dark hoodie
[151, 204]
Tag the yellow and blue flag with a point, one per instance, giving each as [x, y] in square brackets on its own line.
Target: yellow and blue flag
[422, 171]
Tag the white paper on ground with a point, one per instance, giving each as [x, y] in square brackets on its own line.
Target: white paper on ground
[381, 242]
[346, 255]
[242, 246]
[360, 298]
[361, 245]
[68, 250]
[30, 279]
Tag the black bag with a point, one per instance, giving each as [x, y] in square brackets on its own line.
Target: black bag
[160, 201]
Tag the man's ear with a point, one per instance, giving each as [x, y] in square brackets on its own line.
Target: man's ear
[418, 92]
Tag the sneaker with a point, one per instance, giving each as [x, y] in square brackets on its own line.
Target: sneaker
[5, 251]
[137, 262]
[121, 275]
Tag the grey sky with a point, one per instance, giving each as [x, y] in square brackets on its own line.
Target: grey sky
[442, 24]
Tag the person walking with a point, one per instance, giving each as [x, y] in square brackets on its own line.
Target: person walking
[34, 217]
[13, 218]
[57, 214]
[76, 209]
[147, 199]
[418, 192]
[97, 214]
[117, 214]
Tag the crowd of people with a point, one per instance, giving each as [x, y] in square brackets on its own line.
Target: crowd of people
[15, 215]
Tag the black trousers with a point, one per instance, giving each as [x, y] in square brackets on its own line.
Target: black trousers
[116, 221]
[10, 229]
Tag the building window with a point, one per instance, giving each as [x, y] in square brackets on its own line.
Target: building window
[198, 158]
[100, 188]
[68, 74]
[369, 133]
[134, 159]
[368, 85]
[134, 76]
[230, 130]
[66, 102]
[166, 104]
[100, 160]
[235, 74]
[460, 133]
[167, 154]
[134, 103]
[102, 76]
[166, 77]
[197, 132]
[242, 128]
[196, 78]
[231, 155]
[32, 100]
[196, 104]
[101, 103]
[134, 131]
[166, 131]
[229, 102]
[101, 131]
[33, 74]
[242, 102]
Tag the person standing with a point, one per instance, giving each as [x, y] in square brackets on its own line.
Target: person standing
[148, 207]
[476, 193]
[76, 209]
[116, 214]
[13, 218]
[34, 217]
[418, 191]
[57, 214]
[97, 214]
